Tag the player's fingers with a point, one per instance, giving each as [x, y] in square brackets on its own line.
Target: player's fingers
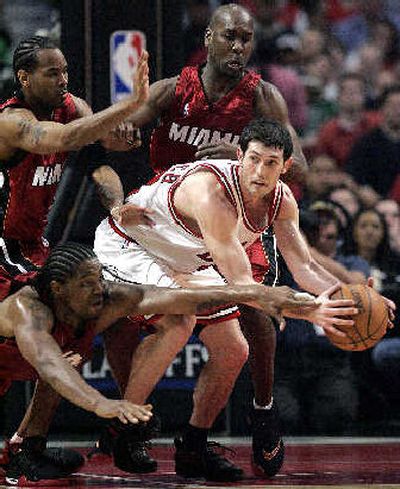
[341, 322]
[343, 311]
[342, 303]
[121, 416]
[370, 282]
[332, 290]
[334, 331]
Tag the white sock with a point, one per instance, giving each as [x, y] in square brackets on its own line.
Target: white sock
[16, 439]
[267, 407]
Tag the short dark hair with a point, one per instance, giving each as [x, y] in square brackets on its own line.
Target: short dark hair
[349, 75]
[390, 90]
[269, 132]
[25, 54]
[61, 265]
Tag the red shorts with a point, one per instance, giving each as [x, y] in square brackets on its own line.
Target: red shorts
[258, 260]
[19, 262]
[13, 365]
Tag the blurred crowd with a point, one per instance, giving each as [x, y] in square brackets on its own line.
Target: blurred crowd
[337, 64]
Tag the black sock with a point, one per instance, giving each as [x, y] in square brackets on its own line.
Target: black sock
[195, 439]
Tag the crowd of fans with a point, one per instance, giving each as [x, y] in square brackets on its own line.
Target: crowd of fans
[337, 64]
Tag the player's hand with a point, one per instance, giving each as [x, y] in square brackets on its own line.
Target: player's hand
[141, 81]
[125, 137]
[74, 359]
[333, 312]
[132, 215]
[126, 132]
[125, 411]
[223, 151]
[391, 306]
[274, 300]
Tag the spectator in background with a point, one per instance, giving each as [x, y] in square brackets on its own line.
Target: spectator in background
[198, 14]
[322, 177]
[346, 198]
[275, 64]
[337, 136]
[312, 400]
[317, 77]
[390, 209]
[374, 159]
[383, 80]
[370, 240]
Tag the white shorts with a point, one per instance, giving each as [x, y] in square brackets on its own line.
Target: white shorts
[126, 261]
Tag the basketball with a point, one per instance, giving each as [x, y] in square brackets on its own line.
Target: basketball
[369, 324]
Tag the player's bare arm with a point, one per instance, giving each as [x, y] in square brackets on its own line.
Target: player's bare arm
[271, 104]
[111, 194]
[202, 200]
[20, 129]
[161, 97]
[127, 299]
[33, 322]
[308, 273]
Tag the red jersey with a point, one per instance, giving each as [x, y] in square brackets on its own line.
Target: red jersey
[13, 365]
[29, 181]
[191, 120]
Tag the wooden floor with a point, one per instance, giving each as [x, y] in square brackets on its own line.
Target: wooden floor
[313, 464]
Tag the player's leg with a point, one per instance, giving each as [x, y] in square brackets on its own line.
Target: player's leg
[267, 443]
[150, 361]
[228, 352]
[29, 459]
[120, 343]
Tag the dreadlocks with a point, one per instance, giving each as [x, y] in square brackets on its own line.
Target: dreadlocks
[25, 55]
[60, 266]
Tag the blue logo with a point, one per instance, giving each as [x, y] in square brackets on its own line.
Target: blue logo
[125, 50]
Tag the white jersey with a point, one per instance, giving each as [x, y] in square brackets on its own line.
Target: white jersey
[171, 241]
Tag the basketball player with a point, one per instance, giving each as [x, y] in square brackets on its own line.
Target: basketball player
[38, 127]
[206, 214]
[66, 306]
[202, 113]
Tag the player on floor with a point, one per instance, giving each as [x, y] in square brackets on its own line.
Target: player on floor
[207, 213]
[202, 113]
[38, 127]
[67, 304]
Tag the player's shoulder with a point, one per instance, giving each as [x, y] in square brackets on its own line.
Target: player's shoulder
[82, 108]
[288, 204]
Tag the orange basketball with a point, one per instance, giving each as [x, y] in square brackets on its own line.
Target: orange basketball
[369, 324]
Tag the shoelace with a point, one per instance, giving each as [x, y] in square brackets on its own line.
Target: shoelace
[212, 445]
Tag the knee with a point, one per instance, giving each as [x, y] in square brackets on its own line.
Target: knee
[233, 355]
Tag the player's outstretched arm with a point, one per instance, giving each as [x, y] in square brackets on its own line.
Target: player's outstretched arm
[33, 322]
[126, 299]
[20, 128]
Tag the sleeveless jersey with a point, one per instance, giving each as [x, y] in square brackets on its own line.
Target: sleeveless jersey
[29, 181]
[192, 120]
[171, 240]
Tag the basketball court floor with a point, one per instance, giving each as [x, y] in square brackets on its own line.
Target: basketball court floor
[310, 463]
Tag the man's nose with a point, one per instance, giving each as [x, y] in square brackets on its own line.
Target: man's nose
[237, 45]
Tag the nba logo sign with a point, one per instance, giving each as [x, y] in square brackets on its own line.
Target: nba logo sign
[125, 49]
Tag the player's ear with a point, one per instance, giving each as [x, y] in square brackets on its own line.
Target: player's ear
[286, 165]
[23, 78]
[207, 37]
[55, 287]
[239, 154]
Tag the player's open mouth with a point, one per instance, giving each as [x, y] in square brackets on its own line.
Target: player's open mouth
[235, 65]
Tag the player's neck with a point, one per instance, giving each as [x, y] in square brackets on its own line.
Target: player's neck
[66, 316]
[41, 111]
[216, 84]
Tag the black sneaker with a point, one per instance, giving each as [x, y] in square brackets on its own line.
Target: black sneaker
[268, 446]
[104, 445]
[34, 463]
[130, 446]
[208, 464]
